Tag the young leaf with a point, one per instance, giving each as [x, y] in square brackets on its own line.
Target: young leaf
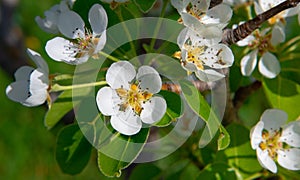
[120, 152]
[73, 151]
[145, 6]
[200, 106]
[283, 94]
[239, 154]
[173, 108]
[224, 139]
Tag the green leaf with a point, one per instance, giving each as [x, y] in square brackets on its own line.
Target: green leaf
[239, 154]
[58, 109]
[120, 151]
[148, 171]
[145, 6]
[224, 139]
[217, 171]
[73, 151]
[283, 94]
[173, 108]
[200, 106]
[290, 70]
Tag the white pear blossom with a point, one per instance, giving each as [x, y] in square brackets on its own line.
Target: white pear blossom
[274, 140]
[130, 99]
[31, 85]
[49, 23]
[264, 5]
[197, 15]
[262, 43]
[83, 44]
[202, 53]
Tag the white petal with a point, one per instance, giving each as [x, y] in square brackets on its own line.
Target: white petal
[107, 101]
[101, 43]
[57, 49]
[23, 73]
[153, 110]
[149, 79]
[38, 86]
[126, 123]
[221, 12]
[269, 65]
[248, 63]
[71, 25]
[207, 36]
[201, 6]
[257, 8]
[182, 37]
[256, 135]
[119, 74]
[180, 5]
[278, 35]
[265, 160]
[223, 56]
[191, 22]
[273, 119]
[209, 75]
[291, 134]
[97, 19]
[18, 91]
[38, 60]
[289, 159]
[246, 41]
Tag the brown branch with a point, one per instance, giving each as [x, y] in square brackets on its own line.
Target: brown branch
[244, 92]
[231, 36]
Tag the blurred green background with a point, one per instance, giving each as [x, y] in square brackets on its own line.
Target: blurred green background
[27, 148]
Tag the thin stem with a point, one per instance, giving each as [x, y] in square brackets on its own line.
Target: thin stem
[231, 36]
[162, 14]
[108, 56]
[132, 46]
[57, 87]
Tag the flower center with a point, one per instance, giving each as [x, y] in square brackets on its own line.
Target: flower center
[133, 98]
[84, 45]
[271, 143]
[262, 43]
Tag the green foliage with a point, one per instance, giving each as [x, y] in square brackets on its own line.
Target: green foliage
[145, 6]
[174, 109]
[73, 151]
[120, 152]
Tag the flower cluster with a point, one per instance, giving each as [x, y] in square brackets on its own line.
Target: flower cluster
[274, 140]
[200, 42]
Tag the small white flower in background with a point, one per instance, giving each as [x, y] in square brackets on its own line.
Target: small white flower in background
[83, 44]
[31, 85]
[264, 5]
[203, 54]
[196, 14]
[130, 99]
[49, 23]
[261, 44]
[274, 140]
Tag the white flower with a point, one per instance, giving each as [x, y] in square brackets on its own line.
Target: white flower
[83, 44]
[30, 88]
[202, 53]
[130, 98]
[49, 23]
[261, 43]
[196, 14]
[274, 140]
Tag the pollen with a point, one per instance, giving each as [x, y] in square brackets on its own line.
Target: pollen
[133, 98]
[271, 142]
